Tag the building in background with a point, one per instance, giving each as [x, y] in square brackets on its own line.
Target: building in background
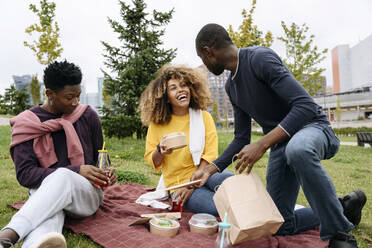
[218, 93]
[24, 82]
[94, 99]
[351, 67]
[100, 91]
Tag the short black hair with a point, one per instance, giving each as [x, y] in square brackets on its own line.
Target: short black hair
[59, 74]
[213, 35]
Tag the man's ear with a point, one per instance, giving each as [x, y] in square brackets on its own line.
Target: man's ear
[207, 51]
[49, 93]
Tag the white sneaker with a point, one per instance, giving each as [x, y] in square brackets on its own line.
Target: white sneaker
[52, 240]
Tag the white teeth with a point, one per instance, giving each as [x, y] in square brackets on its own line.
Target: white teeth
[182, 97]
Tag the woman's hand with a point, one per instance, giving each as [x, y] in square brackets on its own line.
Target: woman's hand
[164, 150]
[183, 194]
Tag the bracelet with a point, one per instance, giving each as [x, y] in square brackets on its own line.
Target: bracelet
[158, 148]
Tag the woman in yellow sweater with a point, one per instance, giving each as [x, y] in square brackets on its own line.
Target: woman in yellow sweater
[175, 101]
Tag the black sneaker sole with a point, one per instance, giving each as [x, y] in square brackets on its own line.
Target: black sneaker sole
[354, 215]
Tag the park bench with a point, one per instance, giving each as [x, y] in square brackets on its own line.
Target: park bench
[364, 138]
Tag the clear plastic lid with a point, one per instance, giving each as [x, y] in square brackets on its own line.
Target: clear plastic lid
[203, 220]
[164, 223]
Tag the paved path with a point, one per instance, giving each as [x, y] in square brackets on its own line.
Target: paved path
[364, 123]
[4, 121]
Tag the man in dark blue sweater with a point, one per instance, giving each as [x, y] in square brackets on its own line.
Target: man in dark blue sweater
[296, 131]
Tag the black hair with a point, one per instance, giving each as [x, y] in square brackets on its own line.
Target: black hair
[212, 35]
[59, 74]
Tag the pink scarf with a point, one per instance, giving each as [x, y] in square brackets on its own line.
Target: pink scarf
[27, 126]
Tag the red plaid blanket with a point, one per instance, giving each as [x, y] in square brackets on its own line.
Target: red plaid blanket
[109, 227]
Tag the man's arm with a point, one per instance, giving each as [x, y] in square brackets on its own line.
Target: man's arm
[29, 173]
[269, 68]
[251, 153]
[242, 136]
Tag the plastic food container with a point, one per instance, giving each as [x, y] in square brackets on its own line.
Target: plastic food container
[164, 227]
[203, 223]
[175, 140]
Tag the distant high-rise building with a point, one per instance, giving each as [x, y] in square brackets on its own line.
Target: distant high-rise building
[92, 100]
[100, 91]
[351, 67]
[24, 82]
[83, 95]
[21, 82]
[218, 93]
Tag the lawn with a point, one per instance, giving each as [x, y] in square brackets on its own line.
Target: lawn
[350, 169]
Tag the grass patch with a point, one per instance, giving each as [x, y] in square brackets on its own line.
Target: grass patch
[130, 177]
[350, 169]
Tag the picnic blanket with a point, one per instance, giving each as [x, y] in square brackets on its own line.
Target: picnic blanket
[109, 228]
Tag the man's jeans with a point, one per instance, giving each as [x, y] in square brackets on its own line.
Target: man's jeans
[62, 192]
[297, 162]
[201, 200]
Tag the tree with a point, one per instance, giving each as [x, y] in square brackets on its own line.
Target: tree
[248, 34]
[47, 48]
[15, 101]
[302, 56]
[35, 90]
[225, 121]
[215, 112]
[338, 111]
[133, 65]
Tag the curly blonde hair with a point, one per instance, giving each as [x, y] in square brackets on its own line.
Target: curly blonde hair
[153, 103]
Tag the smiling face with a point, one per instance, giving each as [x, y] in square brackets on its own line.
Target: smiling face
[178, 95]
[65, 100]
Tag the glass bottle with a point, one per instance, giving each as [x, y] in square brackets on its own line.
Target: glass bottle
[103, 162]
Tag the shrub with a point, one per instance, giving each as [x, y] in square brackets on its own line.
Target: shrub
[130, 176]
[351, 130]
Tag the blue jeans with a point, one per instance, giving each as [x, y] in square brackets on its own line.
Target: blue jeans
[201, 200]
[297, 163]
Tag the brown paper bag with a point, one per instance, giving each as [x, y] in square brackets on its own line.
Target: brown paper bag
[251, 211]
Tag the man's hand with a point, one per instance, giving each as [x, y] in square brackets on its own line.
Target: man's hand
[94, 175]
[248, 156]
[203, 173]
[184, 194]
[110, 172]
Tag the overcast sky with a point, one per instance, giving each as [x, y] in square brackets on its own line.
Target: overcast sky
[83, 25]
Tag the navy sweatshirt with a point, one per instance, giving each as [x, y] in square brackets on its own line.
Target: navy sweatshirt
[263, 88]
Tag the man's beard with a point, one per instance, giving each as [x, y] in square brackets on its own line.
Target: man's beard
[217, 69]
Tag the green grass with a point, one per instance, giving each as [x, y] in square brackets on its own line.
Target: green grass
[350, 169]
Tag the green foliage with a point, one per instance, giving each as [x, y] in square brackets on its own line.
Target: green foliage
[225, 123]
[351, 130]
[106, 98]
[14, 101]
[349, 169]
[338, 111]
[47, 48]
[248, 34]
[130, 176]
[35, 90]
[215, 112]
[133, 65]
[302, 57]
